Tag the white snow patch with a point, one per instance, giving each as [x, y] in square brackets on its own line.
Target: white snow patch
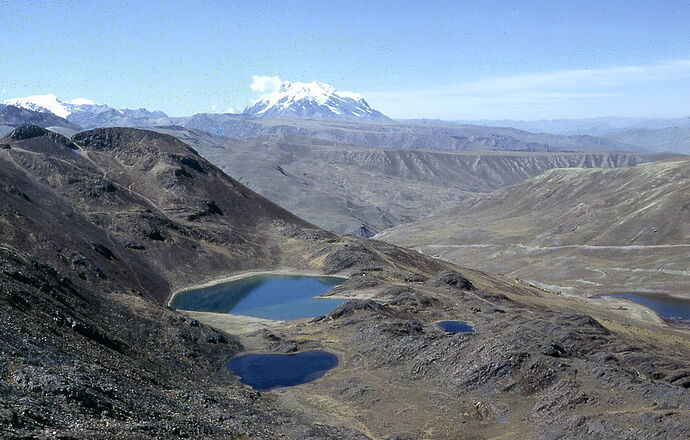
[40, 103]
[51, 104]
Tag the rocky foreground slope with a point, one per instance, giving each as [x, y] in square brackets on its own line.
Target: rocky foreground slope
[98, 230]
[585, 231]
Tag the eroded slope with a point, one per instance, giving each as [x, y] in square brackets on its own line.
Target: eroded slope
[594, 231]
[348, 189]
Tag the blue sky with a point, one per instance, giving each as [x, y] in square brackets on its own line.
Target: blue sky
[446, 59]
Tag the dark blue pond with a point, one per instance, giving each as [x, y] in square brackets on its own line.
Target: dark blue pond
[665, 306]
[455, 326]
[264, 296]
[265, 372]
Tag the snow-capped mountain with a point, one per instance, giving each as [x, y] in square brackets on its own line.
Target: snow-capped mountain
[87, 113]
[12, 117]
[313, 100]
[50, 103]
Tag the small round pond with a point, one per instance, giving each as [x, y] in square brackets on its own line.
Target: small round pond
[456, 326]
[278, 297]
[265, 372]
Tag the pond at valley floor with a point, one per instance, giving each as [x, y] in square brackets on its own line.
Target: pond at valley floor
[279, 297]
[265, 372]
[666, 306]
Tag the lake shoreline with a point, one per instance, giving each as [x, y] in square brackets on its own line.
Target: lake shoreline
[248, 274]
[678, 322]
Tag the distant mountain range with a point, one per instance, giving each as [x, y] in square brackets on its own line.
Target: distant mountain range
[675, 139]
[314, 100]
[318, 110]
[12, 117]
[87, 114]
[424, 135]
[586, 126]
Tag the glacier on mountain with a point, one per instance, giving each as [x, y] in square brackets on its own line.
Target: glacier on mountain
[88, 114]
[314, 100]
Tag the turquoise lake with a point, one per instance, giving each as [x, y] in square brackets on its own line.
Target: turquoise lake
[277, 297]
